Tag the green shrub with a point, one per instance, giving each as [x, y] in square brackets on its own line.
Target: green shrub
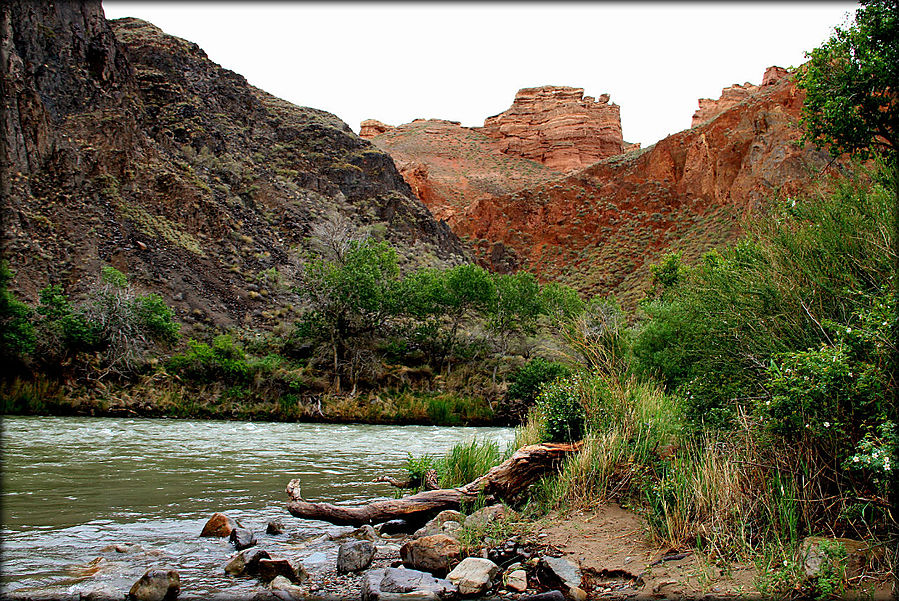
[527, 381]
[17, 338]
[466, 462]
[560, 410]
[223, 361]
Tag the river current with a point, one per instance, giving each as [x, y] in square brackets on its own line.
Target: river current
[74, 487]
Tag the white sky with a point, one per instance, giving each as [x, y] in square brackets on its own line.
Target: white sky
[465, 61]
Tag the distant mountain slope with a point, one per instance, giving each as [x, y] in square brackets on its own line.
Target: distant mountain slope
[598, 227]
[127, 146]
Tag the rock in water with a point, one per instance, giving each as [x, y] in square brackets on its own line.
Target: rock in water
[219, 525]
[246, 562]
[431, 553]
[242, 538]
[355, 556]
[474, 575]
[383, 584]
[269, 569]
[156, 585]
[274, 527]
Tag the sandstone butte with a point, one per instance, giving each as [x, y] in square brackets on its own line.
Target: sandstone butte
[597, 227]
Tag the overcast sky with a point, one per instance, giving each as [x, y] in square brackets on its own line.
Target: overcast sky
[465, 61]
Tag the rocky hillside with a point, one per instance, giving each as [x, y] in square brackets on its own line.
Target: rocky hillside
[596, 228]
[126, 146]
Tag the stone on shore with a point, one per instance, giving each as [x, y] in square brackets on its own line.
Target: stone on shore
[284, 589]
[355, 556]
[156, 585]
[219, 525]
[547, 596]
[559, 572]
[486, 515]
[269, 569]
[393, 527]
[432, 553]
[394, 584]
[516, 580]
[473, 576]
[437, 524]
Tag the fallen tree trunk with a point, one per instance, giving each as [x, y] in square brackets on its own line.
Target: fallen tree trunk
[508, 481]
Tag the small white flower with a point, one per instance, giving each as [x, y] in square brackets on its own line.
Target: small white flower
[855, 459]
[768, 402]
[848, 330]
[826, 424]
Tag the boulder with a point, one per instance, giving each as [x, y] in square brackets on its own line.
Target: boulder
[394, 527]
[156, 585]
[219, 525]
[813, 555]
[355, 556]
[432, 553]
[473, 576]
[284, 589]
[516, 580]
[437, 524]
[486, 515]
[246, 562]
[274, 527]
[269, 569]
[242, 538]
[559, 572]
[394, 584]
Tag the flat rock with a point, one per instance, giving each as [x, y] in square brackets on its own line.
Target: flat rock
[242, 538]
[516, 580]
[269, 569]
[395, 584]
[219, 525]
[555, 571]
[355, 556]
[246, 562]
[432, 553]
[473, 576]
[156, 585]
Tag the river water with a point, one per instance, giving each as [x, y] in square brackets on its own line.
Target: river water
[75, 486]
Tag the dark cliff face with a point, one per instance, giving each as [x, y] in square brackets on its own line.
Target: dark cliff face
[126, 146]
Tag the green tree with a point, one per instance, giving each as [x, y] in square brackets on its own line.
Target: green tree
[350, 297]
[16, 330]
[850, 84]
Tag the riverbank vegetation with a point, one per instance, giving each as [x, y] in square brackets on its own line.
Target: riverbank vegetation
[750, 404]
[372, 345]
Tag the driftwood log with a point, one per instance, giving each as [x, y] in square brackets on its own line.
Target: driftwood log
[508, 481]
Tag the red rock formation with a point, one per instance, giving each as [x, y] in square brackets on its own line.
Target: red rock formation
[372, 127]
[558, 127]
[709, 108]
[596, 229]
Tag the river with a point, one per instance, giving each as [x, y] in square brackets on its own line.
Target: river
[74, 486]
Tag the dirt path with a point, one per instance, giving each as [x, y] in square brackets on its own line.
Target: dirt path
[619, 560]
